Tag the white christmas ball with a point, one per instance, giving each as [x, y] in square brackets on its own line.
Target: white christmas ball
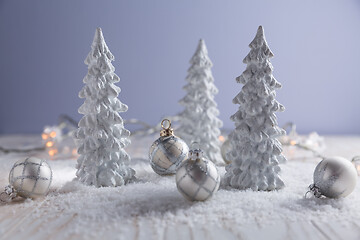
[167, 153]
[31, 177]
[334, 177]
[197, 179]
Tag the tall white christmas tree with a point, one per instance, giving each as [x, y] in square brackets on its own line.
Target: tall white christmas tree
[255, 152]
[198, 121]
[101, 135]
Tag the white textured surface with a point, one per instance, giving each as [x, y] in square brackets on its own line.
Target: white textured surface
[199, 121]
[101, 135]
[152, 208]
[255, 152]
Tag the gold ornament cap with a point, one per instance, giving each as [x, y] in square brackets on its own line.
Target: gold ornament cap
[166, 131]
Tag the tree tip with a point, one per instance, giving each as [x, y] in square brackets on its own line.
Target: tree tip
[98, 35]
[260, 31]
[259, 38]
[201, 46]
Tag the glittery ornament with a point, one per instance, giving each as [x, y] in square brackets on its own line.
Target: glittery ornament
[29, 178]
[334, 177]
[197, 178]
[167, 152]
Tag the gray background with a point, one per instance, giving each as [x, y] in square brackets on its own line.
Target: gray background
[43, 45]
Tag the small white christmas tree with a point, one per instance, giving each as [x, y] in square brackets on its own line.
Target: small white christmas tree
[256, 153]
[101, 134]
[198, 121]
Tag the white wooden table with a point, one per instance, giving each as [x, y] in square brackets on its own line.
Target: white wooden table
[153, 209]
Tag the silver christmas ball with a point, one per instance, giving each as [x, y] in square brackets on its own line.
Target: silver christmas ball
[167, 153]
[31, 177]
[197, 178]
[334, 177]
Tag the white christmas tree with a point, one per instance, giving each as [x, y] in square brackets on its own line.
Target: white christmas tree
[101, 135]
[255, 152]
[198, 121]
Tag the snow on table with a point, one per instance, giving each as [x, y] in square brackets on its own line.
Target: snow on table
[152, 208]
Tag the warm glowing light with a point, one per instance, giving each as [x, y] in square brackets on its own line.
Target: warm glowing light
[358, 169]
[52, 134]
[221, 138]
[44, 136]
[292, 142]
[74, 152]
[52, 152]
[49, 144]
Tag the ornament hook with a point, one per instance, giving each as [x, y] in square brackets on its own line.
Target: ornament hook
[314, 190]
[166, 131]
[8, 194]
[195, 152]
[163, 124]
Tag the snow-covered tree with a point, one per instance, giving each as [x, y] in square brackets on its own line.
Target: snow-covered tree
[255, 152]
[101, 135]
[198, 121]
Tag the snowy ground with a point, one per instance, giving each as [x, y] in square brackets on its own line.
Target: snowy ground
[152, 208]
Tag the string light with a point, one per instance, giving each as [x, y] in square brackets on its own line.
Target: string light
[61, 145]
[52, 152]
[52, 134]
[312, 143]
[74, 152]
[291, 142]
[49, 144]
[58, 141]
